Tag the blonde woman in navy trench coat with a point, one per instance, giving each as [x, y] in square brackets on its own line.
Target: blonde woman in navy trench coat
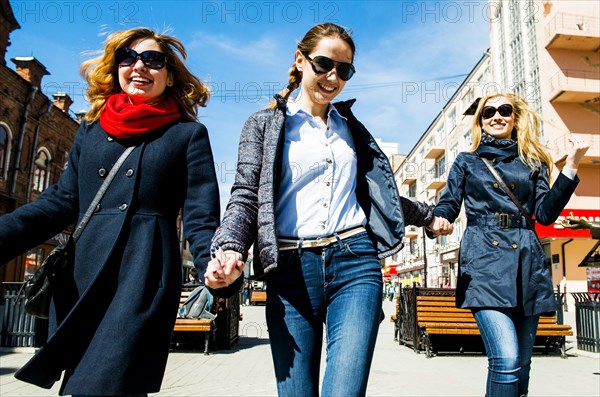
[503, 276]
[114, 338]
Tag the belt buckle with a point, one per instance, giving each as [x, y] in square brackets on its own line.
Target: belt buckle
[503, 221]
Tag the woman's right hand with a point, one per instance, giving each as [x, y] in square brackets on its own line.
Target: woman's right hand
[223, 269]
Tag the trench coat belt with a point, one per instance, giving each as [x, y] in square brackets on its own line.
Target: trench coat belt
[291, 244]
[503, 221]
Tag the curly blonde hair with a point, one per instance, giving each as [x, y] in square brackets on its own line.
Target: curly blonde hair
[101, 73]
[526, 131]
[309, 42]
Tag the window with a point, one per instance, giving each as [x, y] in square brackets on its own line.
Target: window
[412, 190]
[467, 99]
[439, 135]
[4, 137]
[440, 167]
[452, 119]
[41, 174]
[454, 152]
[468, 139]
[414, 247]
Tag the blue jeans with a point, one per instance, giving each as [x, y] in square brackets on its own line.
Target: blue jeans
[339, 286]
[508, 337]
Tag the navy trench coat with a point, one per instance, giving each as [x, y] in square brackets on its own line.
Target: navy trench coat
[501, 262]
[113, 335]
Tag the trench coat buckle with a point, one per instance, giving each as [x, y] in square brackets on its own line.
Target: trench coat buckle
[503, 221]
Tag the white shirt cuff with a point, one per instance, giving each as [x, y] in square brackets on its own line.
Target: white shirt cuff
[569, 172]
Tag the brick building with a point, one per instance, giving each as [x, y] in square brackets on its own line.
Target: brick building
[36, 133]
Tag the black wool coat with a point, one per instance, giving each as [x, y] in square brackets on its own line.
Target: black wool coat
[501, 262]
[112, 336]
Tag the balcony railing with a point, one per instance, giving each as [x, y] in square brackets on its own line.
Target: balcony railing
[571, 85]
[572, 31]
[434, 179]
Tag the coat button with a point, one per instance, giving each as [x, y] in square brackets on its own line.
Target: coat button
[123, 207]
[102, 172]
[493, 160]
[129, 172]
[110, 138]
[495, 185]
[515, 245]
[495, 243]
[512, 186]
[97, 208]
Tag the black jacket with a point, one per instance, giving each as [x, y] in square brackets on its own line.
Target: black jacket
[127, 273]
[498, 266]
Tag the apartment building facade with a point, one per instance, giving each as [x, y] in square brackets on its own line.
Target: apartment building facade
[549, 53]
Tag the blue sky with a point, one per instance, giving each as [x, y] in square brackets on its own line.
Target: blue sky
[411, 55]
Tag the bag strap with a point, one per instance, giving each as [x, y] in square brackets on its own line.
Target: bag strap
[510, 194]
[92, 208]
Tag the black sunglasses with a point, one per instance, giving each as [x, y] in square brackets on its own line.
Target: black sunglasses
[152, 59]
[322, 65]
[489, 111]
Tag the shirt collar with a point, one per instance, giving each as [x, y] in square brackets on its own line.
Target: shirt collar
[293, 108]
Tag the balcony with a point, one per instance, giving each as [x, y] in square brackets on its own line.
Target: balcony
[411, 232]
[408, 179]
[433, 180]
[573, 32]
[572, 85]
[434, 152]
[592, 156]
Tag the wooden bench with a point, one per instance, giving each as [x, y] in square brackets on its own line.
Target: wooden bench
[257, 296]
[205, 326]
[437, 315]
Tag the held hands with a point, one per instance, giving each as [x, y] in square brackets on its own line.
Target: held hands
[440, 226]
[578, 149]
[224, 268]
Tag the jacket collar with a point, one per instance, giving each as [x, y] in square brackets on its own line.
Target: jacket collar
[343, 107]
[501, 149]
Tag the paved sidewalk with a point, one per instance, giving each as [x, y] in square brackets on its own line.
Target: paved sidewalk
[246, 369]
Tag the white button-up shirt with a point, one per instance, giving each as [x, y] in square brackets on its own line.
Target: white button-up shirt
[318, 177]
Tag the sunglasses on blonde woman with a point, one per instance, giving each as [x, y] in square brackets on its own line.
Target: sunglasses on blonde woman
[489, 111]
[151, 59]
[321, 65]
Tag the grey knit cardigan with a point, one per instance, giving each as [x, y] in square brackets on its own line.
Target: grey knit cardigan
[250, 219]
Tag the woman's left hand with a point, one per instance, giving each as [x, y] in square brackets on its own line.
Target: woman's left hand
[574, 155]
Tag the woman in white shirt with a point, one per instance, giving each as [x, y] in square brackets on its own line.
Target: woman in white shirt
[317, 197]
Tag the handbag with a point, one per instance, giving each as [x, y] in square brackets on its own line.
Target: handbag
[38, 289]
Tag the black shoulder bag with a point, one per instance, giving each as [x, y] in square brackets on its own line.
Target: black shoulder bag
[38, 289]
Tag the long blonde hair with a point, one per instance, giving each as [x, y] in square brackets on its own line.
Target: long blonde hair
[526, 131]
[309, 42]
[101, 73]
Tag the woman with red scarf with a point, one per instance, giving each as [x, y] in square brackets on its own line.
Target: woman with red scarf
[114, 338]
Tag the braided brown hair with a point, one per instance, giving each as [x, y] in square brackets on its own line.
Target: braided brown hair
[309, 42]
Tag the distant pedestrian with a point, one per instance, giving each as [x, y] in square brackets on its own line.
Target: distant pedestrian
[503, 275]
[318, 195]
[112, 335]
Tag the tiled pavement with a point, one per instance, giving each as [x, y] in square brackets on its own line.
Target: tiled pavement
[246, 369]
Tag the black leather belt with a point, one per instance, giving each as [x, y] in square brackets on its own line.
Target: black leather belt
[503, 221]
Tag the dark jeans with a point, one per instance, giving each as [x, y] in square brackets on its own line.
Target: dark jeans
[508, 337]
[339, 286]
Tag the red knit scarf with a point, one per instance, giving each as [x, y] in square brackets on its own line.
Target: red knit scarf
[123, 119]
